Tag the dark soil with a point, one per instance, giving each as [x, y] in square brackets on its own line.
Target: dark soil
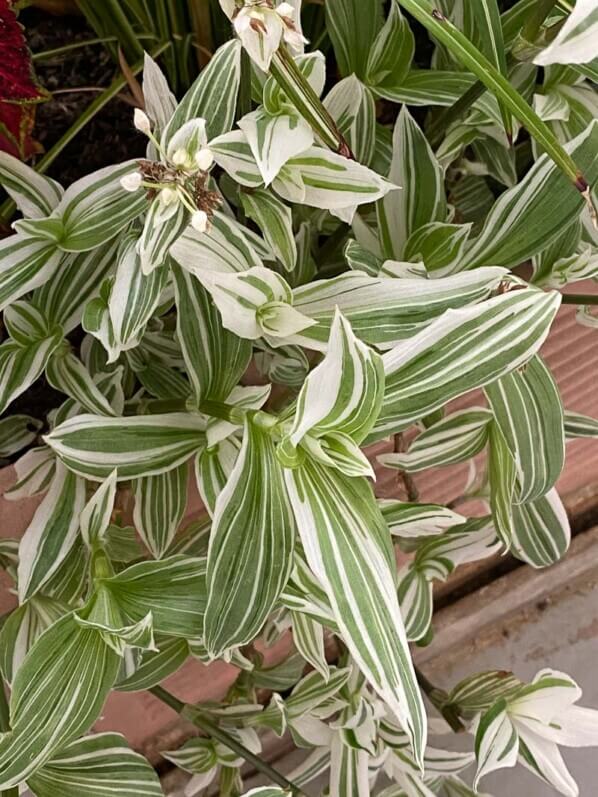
[110, 137]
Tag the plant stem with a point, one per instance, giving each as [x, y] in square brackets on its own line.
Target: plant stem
[464, 51]
[226, 412]
[580, 298]
[210, 728]
[406, 478]
[296, 86]
[67, 48]
[117, 85]
[439, 699]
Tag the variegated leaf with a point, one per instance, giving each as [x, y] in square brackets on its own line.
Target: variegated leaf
[73, 670]
[418, 520]
[160, 503]
[541, 530]
[390, 58]
[16, 432]
[213, 468]
[215, 358]
[577, 425]
[154, 666]
[34, 194]
[51, 533]
[502, 477]
[496, 741]
[66, 373]
[275, 139]
[137, 446]
[275, 220]
[348, 547]
[253, 533]
[351, 105]
[462, 350]
[413, 165]
[527, 406]
[95, 516]
[455, 438]
[576, 40]
[97, 765]
[25, 264]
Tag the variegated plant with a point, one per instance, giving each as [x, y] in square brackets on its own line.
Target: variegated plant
[294, 271]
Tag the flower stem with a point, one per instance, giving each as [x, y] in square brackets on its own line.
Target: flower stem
[226, 412]
[298, 89]
[210, 728]
[580, 298]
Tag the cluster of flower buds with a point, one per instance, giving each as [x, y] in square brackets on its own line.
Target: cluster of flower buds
[262, 25]
[181, 174]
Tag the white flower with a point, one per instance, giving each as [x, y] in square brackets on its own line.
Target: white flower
[142, 122]
[204, 159]
[131, 182]
[199, 221]
[262, 28]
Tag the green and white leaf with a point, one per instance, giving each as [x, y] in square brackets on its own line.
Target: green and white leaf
[52, 532]
[462, 350]
[392, 53]
[97, 765]
[25, 264]
[16, 432]
[541, 530]
[496, 742]
[528, 409]
[34, 194]
[576, 40]
[578, 425]
[418, 520]
[251, 544]
[275, 220]
[348, 547]
[160, 502]
[95, 517]
[154, 666]
[137, 446]
[455, 438]
[66, 373]
[352, 107]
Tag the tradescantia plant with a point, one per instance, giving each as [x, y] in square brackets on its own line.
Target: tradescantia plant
[284, 279]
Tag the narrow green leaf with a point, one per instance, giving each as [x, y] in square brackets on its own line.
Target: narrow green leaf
[541, 530]
[353, 26]
[160, 503]
[275, 220]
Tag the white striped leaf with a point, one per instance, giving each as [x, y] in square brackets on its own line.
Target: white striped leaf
[342, 396]
[163, 225]
[462, 350]
[97, 512]
[160, 102]
[16, 432]
[25, 264]
[233, 154]
[496, 741]
[415, 599]
[138, 446]
[437, 245]
[383, 310]
[160, 381]
[275, 220]
[72, 671]
[34, 194]
[304, 593]
[526, 219]
[275, 139]
[35, 471]
[392, 53]
[225, 246]
[160, 503]
[323, 179]
[353, 26]
[100, 766]
[349, 773]
[154, 666]
[360, 259]
[213, 468]
[502, 477]
[66, 373]
[283, 365]
[197, 755]
[418, 520]
[255, 303]
[134, 296]
[308, 638]
[477, 693]
[63, 298]
[96, 207]
[215, 358]
[455, 438]
[576, 40]
[23, 627]
[541, 530]
[173, 590]
[527, 406]
[422, 199]
[102, 613]
[352, 107]
[482, 25]
[213, 95]
[252, 533]
[52, 532]
[315, 690]
[577, 425]
[424, 87]
[348, 547]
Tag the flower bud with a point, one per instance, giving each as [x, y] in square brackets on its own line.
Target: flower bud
[180, 157]
[286, 10]
[199, 221]
[168, 196]
[204, 159]
[142, 122]
[131, 182]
